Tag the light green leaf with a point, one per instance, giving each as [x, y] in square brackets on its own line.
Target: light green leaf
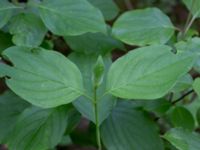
[43, 78]
[196, 86]
[104, 103]
[93, 43]
[6, 11]
[193, 6]
[38, 129]
[11, 107]
[181, 117]
[130, 129]
[147, 73]
[143, 27]
[183, 139]
[28, 30]
[69, 17]
[108, 7]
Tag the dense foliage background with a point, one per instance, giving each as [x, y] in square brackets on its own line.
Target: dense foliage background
[93, 34]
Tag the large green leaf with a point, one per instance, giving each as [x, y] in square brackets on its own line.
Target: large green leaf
[6, 11]
[183, 139]
[44, 78]
[70, 17]
[11, 107]
[28, 30]
[181, 117]
[147, 73]
[108, 7]
[143, 27]
[93, 43]
[38, 129]
[84, 105]
[196, 86]
[193, 6]
[130, 129]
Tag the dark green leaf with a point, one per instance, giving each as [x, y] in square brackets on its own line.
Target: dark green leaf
[38, 129]
[130, 129]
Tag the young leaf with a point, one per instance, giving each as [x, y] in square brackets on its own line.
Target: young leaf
[143, 27]
[28, 30]
[193, 6]
[147, 73]
[38, 129]
[11, 107]
[130, 129]
[196, 86]
[43, 78]
[181, 117]
[98, 72]
[69, 17]
[183, 139]
[6, 11]
[104, 103]
[108, 7]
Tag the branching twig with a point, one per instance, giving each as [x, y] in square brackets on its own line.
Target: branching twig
[182, 97]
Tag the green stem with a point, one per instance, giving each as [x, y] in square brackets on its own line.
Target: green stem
[98, 136]
[15, 2]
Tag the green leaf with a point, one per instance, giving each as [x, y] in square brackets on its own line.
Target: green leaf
[196, 86]
[104, 103]
[181, 117]
[147, 73]
[130, 129]
[93, 43]
[38, 129]
[11, 107]
[108, 7]
[183, 139]
[69, 17]
[5, 41]
[193, 6]
[183, 83]
[28, 30]
[143, 27]
[6, 11]
[43, 78]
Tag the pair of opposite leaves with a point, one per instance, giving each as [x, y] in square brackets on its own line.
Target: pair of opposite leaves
[49, 79]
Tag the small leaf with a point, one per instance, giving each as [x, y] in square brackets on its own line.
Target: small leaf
[28, 30]
[130, 129]
[69, 17]
[43, 78]
[183, 139]
[98, 72]
[181, 117]
[147, 73]
[11, 107]
[108, 7]
[38, 129]
[143, 27]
